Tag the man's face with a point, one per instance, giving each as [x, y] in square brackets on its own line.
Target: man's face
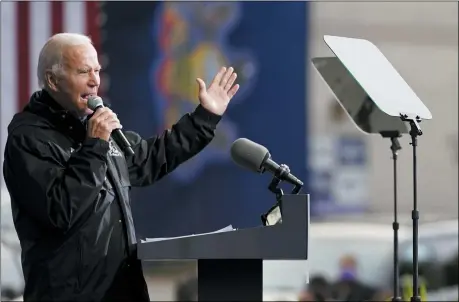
[79, 80]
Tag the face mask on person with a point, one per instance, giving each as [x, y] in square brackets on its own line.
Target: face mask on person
[348, 274]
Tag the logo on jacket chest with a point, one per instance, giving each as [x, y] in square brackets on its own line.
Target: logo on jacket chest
[114, 151]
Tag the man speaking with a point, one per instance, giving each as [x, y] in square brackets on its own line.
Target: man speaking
[69, 178]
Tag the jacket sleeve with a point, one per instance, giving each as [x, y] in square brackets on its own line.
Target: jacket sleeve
[159, 155]
[55, 192]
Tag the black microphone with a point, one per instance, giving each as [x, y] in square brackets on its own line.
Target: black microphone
[257, 158]
[94, 103]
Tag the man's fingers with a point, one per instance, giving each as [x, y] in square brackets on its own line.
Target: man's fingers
[98, 112]
[226, 77]
[233, 91]
[110, 125]
[115, 125]
[230, 82]
[202, 85]
[105, 119]
[112, 117]
[219, 76]
[106, 114]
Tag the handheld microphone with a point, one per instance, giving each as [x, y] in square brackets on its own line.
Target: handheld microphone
[94, 103]
[257, 158]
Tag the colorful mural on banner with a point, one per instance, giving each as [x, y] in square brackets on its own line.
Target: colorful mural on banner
[155, 50]
[193, 42]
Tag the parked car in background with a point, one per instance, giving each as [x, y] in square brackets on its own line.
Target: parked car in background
[439, 244]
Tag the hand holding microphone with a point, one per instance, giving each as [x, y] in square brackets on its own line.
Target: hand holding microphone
[104, 123]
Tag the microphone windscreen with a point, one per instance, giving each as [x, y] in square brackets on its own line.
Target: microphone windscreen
[248, 154]
[94, 102]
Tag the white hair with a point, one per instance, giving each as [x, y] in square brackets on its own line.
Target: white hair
[51, 54]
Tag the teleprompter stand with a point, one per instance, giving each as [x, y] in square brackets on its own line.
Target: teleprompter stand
[230, 263]
[378, 101]
[415, 131]
[395, 147]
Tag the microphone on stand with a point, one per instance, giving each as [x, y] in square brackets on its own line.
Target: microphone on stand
[257, 158]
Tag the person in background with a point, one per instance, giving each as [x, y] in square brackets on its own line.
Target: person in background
[318, 289]
[348, 287]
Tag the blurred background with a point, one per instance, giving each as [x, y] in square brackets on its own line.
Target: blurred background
[152, 52]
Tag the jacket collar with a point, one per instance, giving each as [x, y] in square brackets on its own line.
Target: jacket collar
[43, 104]
[42, 101]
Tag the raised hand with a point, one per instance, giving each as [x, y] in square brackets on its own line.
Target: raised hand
[217, 96]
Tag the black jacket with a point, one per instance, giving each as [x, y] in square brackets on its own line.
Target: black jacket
[70, 199]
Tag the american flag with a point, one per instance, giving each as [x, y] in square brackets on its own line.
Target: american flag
[25, 27]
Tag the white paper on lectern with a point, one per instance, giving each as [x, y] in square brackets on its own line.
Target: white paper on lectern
[225, 229]
[377, 76]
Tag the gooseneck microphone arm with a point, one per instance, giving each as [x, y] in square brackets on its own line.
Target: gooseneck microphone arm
[283, 173]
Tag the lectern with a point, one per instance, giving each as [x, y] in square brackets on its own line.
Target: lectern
[230, 264]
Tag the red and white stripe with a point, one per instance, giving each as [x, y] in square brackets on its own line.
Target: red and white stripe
[25, 27]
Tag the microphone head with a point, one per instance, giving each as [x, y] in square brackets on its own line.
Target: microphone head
[249, 155]
[94, 102]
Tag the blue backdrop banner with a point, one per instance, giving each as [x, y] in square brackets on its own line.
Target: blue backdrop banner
[154, 51]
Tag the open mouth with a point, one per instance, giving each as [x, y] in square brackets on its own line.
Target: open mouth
[85, 96]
